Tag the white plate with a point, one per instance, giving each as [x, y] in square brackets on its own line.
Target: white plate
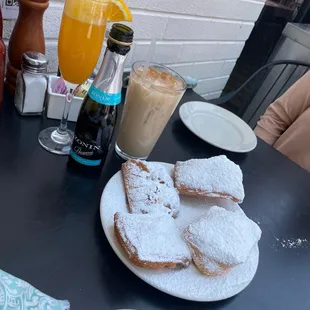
[187, 283]
[218, 126]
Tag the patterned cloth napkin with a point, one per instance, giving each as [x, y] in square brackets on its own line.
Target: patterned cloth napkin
[16, 294]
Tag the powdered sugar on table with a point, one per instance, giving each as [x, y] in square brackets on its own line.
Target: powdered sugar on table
[294, 243]
[187, 283]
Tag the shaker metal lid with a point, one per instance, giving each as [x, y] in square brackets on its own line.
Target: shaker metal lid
[35, 61]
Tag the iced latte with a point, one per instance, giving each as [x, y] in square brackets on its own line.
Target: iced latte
[152, 97]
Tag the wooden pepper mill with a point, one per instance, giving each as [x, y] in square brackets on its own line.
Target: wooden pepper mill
[27, 36]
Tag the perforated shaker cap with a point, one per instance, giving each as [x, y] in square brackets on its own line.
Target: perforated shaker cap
[34, 62]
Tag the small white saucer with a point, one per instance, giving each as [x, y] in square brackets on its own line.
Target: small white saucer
[218, 126]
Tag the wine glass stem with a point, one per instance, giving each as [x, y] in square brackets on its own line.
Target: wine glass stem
[62, 129]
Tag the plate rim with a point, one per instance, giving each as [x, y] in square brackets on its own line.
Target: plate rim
[182, 107]
[131, 266]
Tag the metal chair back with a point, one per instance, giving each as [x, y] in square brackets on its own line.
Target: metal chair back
[262, 88]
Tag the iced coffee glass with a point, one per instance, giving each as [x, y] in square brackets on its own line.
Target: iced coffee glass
[153, 94]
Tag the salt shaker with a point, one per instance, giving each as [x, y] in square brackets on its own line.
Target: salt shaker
[31, 84]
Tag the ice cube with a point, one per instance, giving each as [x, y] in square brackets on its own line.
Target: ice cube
[178, 84]
[159, 78]
[168, 81]
[152, 75]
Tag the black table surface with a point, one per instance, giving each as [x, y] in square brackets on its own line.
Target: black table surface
[51, 234]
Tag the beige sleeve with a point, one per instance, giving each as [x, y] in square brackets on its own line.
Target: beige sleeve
[284, 111]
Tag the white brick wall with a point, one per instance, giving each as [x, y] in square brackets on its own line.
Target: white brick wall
[201, 38]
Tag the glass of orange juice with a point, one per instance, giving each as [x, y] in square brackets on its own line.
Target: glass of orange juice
[80, 40]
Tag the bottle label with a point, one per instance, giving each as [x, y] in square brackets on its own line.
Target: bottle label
[81, 149]
[104, 98]
[85, 162]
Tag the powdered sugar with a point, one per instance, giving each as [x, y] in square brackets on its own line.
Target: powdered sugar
[187, 283]
[156, 173]
[143, 208]
[190, 284]
[209, 236]
[153, 238]
[154, 196]
[294, 243]
[150, 190]
[212, 267]
[291, 243]
[214, 176]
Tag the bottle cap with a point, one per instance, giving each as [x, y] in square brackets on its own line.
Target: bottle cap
[121, 34]
[34, 62]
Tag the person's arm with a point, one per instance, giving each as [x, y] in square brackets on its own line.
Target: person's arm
[284, 111]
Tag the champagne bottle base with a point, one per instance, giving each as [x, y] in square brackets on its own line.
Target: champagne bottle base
[86, 171]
